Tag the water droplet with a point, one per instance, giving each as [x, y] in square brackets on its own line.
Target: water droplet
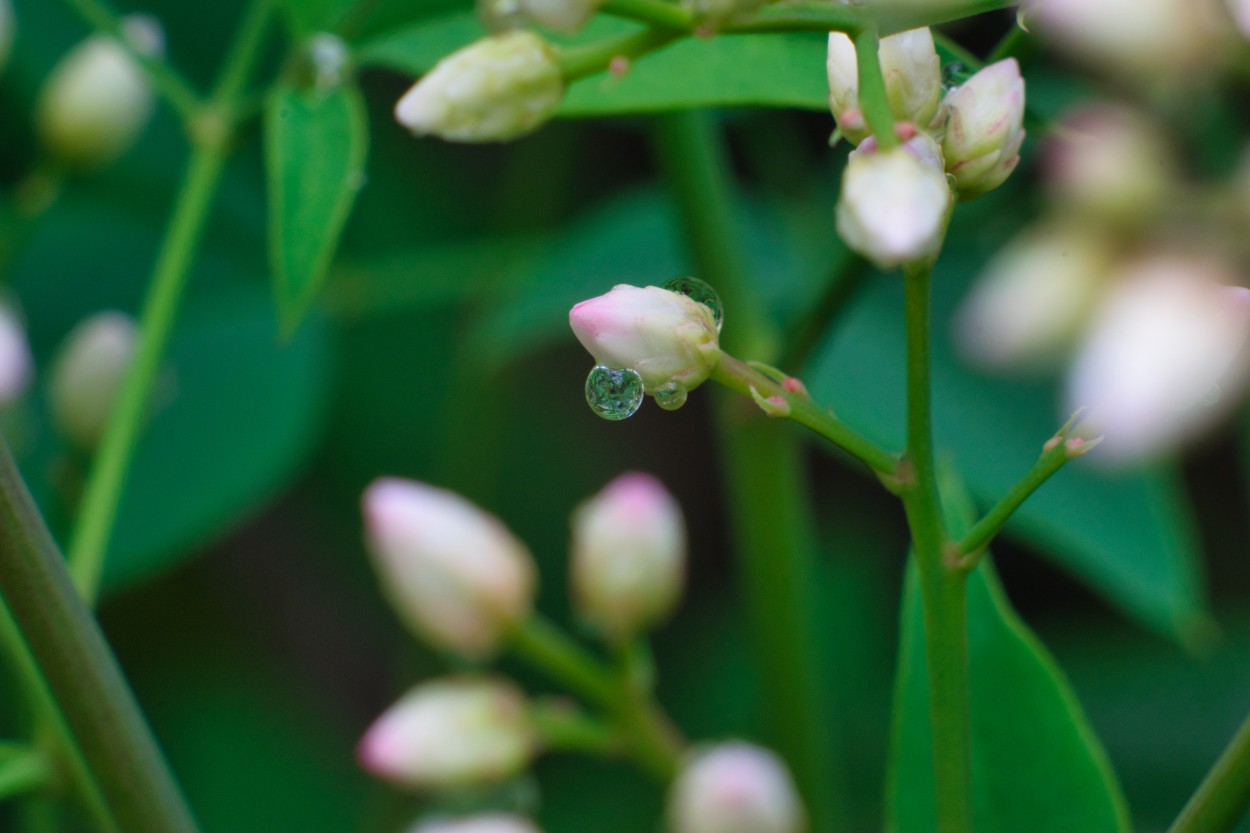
[614, 393]
[330, 58]
[954, 74]
[697, 290]
[671, 397]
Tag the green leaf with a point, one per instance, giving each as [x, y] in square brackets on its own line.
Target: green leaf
[315, 147]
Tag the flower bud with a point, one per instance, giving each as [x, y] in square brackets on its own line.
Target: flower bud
[97, 99]
[1034, 297]
[1167, 349]
[449, 733]
[734, 788]
[494, 89]
[629, 552]
[894, 202]
[985, 128]
[482, 823]
[455, 575]
[87, 376]
[16, 365]
[913, 81]
[561, 15]
[665, 336]
[1240, 10]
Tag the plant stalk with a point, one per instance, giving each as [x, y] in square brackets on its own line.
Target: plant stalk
[1224, 794]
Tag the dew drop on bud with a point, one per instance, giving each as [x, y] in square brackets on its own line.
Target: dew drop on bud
[614, 393]
[671, 397]
[697, 290]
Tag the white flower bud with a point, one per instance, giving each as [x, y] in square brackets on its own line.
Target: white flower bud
[1167, 349]
[455, 575]
[6, 32]
[894, 202]
[665, 336]
[451, 733]
[1240, 10]
[87, 376]
[97, 99]
[629, 553]
[734, 788]
[561, 15]
[482, 823]
[494, 89]
[985, 128]
[913, 81]
[16, 365]
[1034, 297]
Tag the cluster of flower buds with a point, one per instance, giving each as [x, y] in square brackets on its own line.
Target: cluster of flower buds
[734, 788]
[98, 99]
[87, 376]
[895, 201]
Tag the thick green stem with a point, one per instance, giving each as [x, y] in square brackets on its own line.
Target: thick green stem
[81, 670]
[873, 99]
[1224, 795]
[651, 12]
[580, 61]
[942, 582]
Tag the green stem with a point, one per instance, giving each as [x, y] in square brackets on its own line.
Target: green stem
[891, 18]
[81, 670]
[942, 583]
[652, 740]
[580, 61]
[26, 772]
[1223, 796]
[651, 12]
[972, 546]
[873, 98]
[564, 729]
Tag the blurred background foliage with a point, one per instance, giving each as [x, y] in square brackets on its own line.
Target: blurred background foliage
[238, 596]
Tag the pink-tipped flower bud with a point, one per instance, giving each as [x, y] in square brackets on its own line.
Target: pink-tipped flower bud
[482, 823]
[1166, 355]
[668, 338]
[894, 203]
[492, 90]
[913, 81]
[454, 574]
[451, 733]
[629, 555]
[87, 375]
[1034, 297]
[985, 128]
[16, 365]
[98, 99]
[734, 788]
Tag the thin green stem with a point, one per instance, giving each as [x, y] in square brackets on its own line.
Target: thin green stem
[22, 773]
[80, 669]
[651, 12]
[1224, 795]
[1009, 45]
[891, 18]
[580, 61]
[565, 729]
[825, 17]
[168, 83]
[873, 99]
[972, 546]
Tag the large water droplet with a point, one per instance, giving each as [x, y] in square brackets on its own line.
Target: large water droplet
[697, 290]
[614, 393]
[954, 74]
[671, 397]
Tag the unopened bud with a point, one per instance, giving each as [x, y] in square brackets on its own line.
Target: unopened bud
[913, 81]
[87, 376]
[483, 823]
[98, 99]
[894, 202]
[1240, 10]
[494, 89]
[667, 337]
[985, 128]
[16, 366]
[451, 733]
[1165, 356]
[734, 788]
[629, 555]
[561, 15]
[455, 575]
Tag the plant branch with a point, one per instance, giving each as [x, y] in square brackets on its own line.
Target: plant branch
[652, 12]
[972, 546]
[1224, 794]
[580, 61]
[873, 98]
[81, 670]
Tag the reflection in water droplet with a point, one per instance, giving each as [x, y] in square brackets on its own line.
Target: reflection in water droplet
[697, 290]
[671, 397]
[954, 74]
[614, 393]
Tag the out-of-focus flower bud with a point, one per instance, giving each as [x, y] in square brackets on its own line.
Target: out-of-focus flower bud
[87, 376]
[1240, 10]
[455, 575]
[6, 32]
[629, 553]
[985, 128]
[561, 15]
[1168, 41]
[894, 202]
[451, 733]
[97, 100]
[1034, 297]
[1167, 350]
[665, 336]
[16, 365]
[913, 81]
[1111, 162]
[734, 788]
[494, 89]
[483, 823]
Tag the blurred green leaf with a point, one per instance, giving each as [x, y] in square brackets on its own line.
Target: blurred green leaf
[315, 150]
